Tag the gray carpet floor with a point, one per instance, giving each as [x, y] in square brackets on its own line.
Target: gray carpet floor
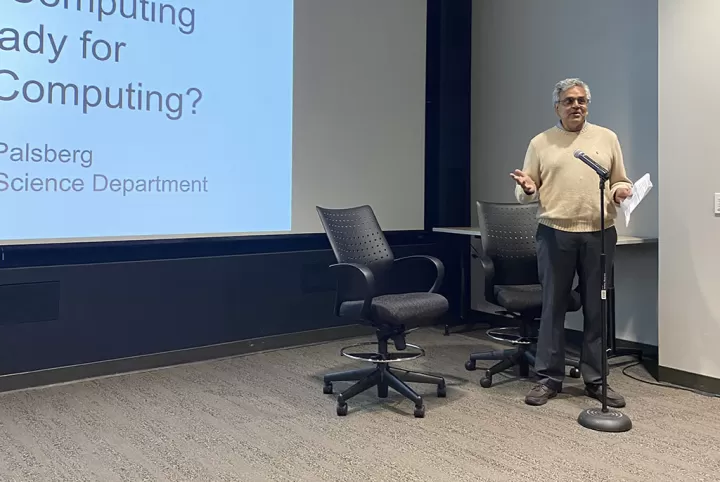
[264, 417]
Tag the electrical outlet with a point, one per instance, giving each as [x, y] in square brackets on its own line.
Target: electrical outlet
[717, 203]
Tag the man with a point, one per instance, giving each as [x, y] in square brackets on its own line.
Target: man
[568, 235]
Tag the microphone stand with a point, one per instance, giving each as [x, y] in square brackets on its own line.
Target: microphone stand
[605, 419]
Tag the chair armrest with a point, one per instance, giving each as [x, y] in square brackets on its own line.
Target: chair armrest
[355, 275]
[439, 268]
[489, 270]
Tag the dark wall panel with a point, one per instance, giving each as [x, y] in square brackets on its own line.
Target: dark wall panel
[93, 312]
[447, 151]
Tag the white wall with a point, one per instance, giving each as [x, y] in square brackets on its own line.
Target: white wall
[520, 49]
[359, 110]
[689, 175]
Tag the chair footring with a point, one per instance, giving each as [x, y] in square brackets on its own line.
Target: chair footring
[511, 334]
[384, 378]
[382, 355]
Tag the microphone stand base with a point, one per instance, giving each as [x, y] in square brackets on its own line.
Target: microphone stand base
[609, 421]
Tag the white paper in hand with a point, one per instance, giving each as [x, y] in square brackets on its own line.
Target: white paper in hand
[639, 191]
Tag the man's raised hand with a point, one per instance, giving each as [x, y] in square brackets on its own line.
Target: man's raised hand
[524, 181]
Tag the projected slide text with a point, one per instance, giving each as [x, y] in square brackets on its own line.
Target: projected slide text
[145, 117]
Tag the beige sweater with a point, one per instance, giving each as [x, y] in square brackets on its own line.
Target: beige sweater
[568, 190]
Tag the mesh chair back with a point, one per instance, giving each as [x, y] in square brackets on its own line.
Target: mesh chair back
[508, 239]
[356, 237]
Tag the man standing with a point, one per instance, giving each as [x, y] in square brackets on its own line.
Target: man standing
[568, 235]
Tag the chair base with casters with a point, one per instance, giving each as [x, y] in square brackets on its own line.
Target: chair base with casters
[382, 375]
[522, 356]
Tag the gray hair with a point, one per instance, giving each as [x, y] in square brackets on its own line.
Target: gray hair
[566, 84]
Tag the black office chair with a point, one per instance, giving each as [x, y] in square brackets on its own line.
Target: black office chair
[509, 259]
[368, 290]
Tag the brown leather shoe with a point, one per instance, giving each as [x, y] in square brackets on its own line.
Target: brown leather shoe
[540, 394]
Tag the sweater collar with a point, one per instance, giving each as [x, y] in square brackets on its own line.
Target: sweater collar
[585, 127]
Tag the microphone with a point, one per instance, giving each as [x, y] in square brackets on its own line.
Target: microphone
[601, 171]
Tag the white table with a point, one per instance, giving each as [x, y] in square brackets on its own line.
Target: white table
[474, 232]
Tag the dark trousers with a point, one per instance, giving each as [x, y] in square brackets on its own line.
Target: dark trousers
[561, 254]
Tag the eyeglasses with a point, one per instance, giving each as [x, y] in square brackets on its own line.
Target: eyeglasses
[568, 101]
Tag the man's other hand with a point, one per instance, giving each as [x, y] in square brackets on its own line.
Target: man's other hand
[622, 194]
[524, 181]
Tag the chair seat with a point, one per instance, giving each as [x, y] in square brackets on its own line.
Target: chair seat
[401, 308]
[528, 298]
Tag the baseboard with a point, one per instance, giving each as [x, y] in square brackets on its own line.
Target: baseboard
[52, 376]
[689, 380]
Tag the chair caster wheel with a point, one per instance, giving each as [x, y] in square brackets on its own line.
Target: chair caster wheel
[342, 409]
[486, 382]
[441, 391]
[470, 365]
[574, 372]
[328, 388]
[420, 411]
